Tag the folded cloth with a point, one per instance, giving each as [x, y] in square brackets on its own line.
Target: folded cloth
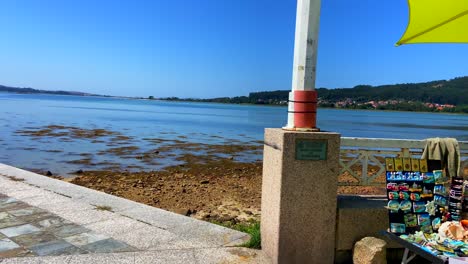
[447, 151]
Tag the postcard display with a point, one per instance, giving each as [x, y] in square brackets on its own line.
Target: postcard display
[426, 208]
[418, 199]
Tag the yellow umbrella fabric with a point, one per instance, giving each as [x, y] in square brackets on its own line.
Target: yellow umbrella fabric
[436, 21]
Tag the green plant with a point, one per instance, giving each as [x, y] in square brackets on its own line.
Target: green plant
[251, 228]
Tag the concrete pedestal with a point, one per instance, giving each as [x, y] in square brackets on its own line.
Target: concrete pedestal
[299, 197]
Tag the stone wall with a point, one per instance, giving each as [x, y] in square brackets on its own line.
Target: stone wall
[359, 217]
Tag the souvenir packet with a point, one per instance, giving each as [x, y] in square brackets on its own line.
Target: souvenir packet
[398, 164]
[415, 187]
[393, 195]
[443, 248]
[389, 164]
[393, 206]
[411, 220]
[397, 228]
[392, 186]
[453, 244]
[426, 193]
[430, 250]
[440, 189]
[439, 177]
[419, 207]
[440, 200]
[427, 229]
[403, 187]
[424, 219]
[428, 177]
[403, 195]
[415, 164]
[405, 206]
[436, 222]
[423, 165]
[407, 164]
[415, 197]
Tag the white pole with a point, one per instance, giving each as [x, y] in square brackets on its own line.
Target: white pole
[305, 50]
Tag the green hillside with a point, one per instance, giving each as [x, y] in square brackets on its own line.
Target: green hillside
[447, 96]
[453, 91]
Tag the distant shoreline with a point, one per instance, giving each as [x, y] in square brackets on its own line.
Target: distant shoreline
[225, 103]
[320, 107]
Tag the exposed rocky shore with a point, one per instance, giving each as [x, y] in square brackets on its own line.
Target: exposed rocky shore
[209, 182]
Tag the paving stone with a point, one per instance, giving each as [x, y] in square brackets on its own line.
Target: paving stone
[12, 206]
[30, 260]
[33, 218]
[108, 258]
[21, 191]
[108, 246]
[4, 215]
[230, 255]
[117, 225]
[46, 199]
[52, 221]
[146, 238]
[85, 239]
[210, 234]
[7, 244]
[68, 230]
[177, 243]
[16, 253]
[61, 259]
[53, 248]
[166, 256]
[10, 221]
[156, 217]
[30, 240]
[6, 200]
[87, 216]
[64, 206]
[26, 211]
[19, 230]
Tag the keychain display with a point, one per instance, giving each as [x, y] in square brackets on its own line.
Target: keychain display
[417, 199]
[426, 208]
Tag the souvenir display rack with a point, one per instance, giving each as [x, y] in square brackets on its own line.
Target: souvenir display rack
[426, 209]
[417, 197]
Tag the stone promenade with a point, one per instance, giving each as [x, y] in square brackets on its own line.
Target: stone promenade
[43, 220]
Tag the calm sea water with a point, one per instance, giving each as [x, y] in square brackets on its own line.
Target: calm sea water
[194, 122]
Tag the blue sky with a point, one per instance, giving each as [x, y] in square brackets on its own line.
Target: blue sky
[207, 48]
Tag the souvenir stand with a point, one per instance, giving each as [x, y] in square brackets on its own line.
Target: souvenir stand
[426, 210]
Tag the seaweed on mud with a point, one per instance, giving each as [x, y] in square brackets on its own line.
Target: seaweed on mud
[119, 151]
[66, 132]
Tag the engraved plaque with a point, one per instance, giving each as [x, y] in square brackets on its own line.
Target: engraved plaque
[307, 149]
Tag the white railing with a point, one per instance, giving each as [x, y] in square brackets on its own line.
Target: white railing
[363, 159]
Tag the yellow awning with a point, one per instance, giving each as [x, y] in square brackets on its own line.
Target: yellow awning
[436, 21]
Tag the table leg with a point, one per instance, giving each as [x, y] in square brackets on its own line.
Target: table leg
[407, 259]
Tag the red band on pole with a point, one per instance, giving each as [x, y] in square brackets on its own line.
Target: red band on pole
[305, 109]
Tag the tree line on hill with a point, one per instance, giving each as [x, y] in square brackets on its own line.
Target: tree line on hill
[444, 95]
[9, 89]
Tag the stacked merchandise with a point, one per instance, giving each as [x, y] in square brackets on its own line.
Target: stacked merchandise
[417, 199]
[425, 207]
[465, 200]
[456, 198]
